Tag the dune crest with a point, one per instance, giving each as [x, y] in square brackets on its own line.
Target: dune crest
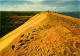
[45, 34]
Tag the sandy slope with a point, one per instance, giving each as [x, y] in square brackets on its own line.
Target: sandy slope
[45, 34]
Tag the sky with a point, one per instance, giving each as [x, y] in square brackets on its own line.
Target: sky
[40, 5]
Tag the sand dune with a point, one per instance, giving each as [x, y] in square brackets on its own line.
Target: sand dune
[45, 34]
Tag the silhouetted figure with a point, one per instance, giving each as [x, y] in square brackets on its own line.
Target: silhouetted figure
[48, 11]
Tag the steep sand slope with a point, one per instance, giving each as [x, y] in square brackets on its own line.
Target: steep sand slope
[46, 34]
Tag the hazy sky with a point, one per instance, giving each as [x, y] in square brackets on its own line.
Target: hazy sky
[40, 5]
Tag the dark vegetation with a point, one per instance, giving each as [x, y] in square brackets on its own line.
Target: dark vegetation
[20, 41]
[11, 20]
[21, 44]
[27, 40]
[27, 37]
[22, 35]
[13, 47]
[17, 13]
[32, 38]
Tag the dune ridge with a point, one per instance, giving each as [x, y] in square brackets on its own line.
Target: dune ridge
[46, 34]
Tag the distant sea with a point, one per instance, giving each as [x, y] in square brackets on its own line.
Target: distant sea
[72, 14]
